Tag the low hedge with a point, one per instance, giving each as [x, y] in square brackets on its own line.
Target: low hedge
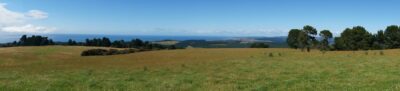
[104, 52]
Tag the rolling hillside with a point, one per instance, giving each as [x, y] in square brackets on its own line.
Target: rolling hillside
[59, 68]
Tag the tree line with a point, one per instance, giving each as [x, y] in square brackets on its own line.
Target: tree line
[259, 45]
[37, 40]
[355, 38]
[134, 43]
[31, 41]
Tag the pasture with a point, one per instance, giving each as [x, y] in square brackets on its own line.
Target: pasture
[61, 68]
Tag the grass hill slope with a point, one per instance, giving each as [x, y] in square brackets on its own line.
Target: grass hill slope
[58, 68]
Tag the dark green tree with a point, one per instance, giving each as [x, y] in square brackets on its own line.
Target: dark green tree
[292, 38]
[302, 40]
[22, 40]
[379, 40]
[355, 38]
[119, 44]
[392, 34]
[34, 40]
[106, 42]
[72, 42]
[51, 42]
[259, 45]
[339, 44]
[308, 39]
[325, 35]
[136, 43]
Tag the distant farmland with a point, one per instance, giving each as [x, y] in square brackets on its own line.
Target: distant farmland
[59, 68]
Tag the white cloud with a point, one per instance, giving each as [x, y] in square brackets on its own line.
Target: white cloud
[29, 28]
[8, 17]
[37, 14]
[16, 22]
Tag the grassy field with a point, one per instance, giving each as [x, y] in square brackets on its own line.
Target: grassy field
[60, 68]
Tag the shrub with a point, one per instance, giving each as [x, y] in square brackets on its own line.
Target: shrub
[142, 50]
[94, 52]
[271, 55]
[112, 52]
[123, 52]
[132, 50]
[145, 68]
[259, 45]
[381, 53]
[103, 52]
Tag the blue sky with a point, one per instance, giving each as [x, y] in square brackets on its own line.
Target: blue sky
[206, 17]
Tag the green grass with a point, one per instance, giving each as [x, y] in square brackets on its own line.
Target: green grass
[59, 68]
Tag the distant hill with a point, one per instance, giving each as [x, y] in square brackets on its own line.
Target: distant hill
[277, 42]
[182, 41]
[236, 42]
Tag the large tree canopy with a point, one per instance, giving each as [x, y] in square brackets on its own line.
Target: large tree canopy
[392, 34]
[302, 38]
[308, 39]
[356, 38]
[310, 30]
[34, 40]
[292, 39]
[326, 35]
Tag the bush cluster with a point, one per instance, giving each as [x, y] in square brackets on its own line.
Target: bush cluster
[259, 45]
[104, 52]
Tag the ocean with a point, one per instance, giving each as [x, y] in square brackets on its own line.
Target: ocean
[82, 37]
